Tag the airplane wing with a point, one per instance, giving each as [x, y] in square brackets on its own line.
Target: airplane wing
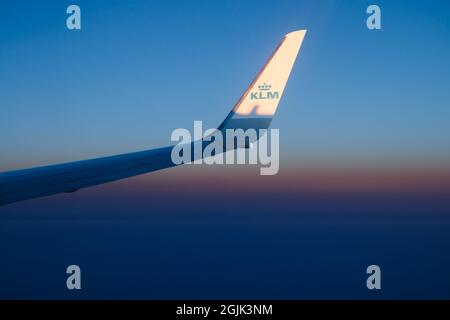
[254, 109]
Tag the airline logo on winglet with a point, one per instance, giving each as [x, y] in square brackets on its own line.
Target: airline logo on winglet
[264, 92]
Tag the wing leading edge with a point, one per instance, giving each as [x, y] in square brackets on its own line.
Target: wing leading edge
[255, 109]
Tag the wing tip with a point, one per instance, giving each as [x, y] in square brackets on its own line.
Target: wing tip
[296, 33]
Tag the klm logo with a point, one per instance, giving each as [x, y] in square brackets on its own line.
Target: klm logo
[264, 93]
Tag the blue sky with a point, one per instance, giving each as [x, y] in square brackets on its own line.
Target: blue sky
[138, 70]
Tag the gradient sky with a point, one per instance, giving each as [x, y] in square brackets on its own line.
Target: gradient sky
[138, 70]
[362, 113]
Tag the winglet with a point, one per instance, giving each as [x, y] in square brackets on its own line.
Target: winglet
[256, 107]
